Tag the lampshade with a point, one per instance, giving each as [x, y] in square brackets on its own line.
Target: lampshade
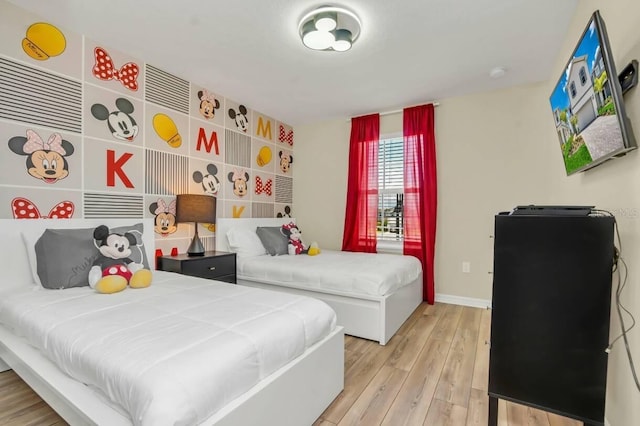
[329, 28]
[195, 208]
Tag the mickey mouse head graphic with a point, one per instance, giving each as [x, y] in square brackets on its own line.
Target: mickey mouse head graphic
[239, 178]
[286, 160]
[240, 117]
[210, 182]
[208, 104]
[165, 220]
[45, 160]
[120, 122]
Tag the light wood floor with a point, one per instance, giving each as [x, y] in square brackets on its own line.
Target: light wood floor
[432, 372]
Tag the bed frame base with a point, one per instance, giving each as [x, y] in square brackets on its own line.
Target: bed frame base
[298, 393]
[369, 317]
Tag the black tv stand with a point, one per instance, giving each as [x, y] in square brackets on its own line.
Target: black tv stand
[550, 316]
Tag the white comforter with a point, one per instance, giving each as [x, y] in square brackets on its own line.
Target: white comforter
[345, 272]
[174, 353]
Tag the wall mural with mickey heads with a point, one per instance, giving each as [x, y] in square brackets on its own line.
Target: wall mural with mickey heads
[96, 133]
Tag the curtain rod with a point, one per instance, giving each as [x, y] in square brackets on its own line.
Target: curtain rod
[397, 111]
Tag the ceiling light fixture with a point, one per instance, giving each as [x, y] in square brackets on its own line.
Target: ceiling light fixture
[329, 28]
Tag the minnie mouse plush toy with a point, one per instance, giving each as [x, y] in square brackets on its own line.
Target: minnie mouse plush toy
[296, 245]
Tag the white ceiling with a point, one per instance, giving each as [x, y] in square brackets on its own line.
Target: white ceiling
[409, 52]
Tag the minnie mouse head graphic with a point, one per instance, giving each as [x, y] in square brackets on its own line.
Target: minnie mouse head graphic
[46, 161]
[208, 104]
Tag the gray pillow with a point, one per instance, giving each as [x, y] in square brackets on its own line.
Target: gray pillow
[64, 256]
[273, 240]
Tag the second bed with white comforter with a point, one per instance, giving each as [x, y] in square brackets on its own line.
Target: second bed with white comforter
[334, 271]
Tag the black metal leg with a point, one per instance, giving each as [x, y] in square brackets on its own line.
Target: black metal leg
[493, 411]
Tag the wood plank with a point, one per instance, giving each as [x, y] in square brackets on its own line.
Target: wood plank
[372, 405]
[358, 377]
[478, 411]
[455, 382]
[481, 369]
[323, 422]
[518, 414]
[408, 350]
[502, 413]
[409, 323]
[436, 310]
[557, 420]
[415, 395]
[442, 413]
[448, 323]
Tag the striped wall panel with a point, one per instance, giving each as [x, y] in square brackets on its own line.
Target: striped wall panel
[209, 242]
[166, 89]
[284, 189]
[262, 210]
[167, 174]
[34, 96]
[237, 149]
[113, 206]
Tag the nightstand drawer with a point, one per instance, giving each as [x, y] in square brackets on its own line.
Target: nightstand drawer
[214, 265]
[211, 267]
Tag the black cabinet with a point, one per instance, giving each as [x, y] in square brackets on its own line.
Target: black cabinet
[215, 265]
[550, 316]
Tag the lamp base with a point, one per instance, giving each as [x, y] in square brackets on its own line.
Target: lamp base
[195, 248]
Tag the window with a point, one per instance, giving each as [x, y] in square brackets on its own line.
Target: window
[583, 76]
[572, 88]
[390, 189]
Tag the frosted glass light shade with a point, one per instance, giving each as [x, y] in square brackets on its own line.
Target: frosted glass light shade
[343, 40]
[326, 21]
[315, 39]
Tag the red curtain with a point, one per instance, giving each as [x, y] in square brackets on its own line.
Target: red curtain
[420, 191]
[362, 186]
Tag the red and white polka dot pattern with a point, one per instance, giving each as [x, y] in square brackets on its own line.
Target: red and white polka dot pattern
[104, 70]
[284, 136]
[25, 209]
[266, 187]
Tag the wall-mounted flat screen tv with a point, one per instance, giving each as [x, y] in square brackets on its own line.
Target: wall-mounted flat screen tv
[587, 104]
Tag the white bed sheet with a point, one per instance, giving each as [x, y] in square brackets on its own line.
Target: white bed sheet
[348, 272]
[174, 353]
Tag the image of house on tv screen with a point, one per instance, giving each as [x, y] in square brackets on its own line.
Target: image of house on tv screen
[583, 108]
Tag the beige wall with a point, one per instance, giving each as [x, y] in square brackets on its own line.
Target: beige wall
[615, 186]
[497, 150]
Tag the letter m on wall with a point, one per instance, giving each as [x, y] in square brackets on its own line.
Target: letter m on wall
[208, 143]
[263, 129]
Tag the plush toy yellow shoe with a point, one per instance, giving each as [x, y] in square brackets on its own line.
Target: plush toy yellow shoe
[313, 249]
[140, 279]
[111, 284]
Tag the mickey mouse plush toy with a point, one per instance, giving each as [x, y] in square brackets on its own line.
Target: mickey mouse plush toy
[113, 269]
[296, 246]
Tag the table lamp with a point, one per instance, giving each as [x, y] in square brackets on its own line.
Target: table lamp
[195, 208]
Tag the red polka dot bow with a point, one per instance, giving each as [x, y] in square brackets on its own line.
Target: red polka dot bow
[266, 187]
[105, 70]
[25, 209]
[284, 136]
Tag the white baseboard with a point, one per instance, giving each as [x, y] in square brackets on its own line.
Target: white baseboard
[464, 301]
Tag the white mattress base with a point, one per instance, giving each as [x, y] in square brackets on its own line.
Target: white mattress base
[362, 315]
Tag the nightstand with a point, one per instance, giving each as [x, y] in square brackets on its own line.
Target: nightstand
[215, 265]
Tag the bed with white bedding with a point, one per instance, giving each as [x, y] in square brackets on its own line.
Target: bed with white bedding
[183, 351]
[372, 294]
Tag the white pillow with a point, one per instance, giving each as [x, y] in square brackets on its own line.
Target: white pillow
[245, 242]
